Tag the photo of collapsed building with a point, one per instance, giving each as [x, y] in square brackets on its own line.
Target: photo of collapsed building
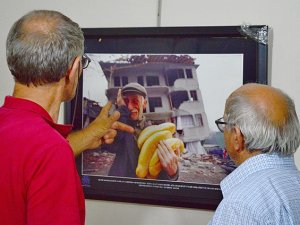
[173, 95]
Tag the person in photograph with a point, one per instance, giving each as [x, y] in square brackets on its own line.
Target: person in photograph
[131, 103]
[39, 183]
[261, 133]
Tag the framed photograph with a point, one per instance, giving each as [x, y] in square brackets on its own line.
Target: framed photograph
[186, 74]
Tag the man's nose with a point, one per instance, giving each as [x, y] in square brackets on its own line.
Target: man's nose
[130, 105]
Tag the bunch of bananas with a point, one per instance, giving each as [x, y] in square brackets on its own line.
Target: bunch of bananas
[148, 162]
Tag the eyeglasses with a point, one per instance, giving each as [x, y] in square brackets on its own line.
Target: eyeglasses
[221, 124]
[85, 60]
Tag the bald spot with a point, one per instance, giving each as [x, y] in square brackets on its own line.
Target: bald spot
[39, 25]
[270, 101]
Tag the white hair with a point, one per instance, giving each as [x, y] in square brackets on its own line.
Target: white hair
[260, 132]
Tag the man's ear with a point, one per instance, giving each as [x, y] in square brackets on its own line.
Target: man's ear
[238, 139]
[73, 70]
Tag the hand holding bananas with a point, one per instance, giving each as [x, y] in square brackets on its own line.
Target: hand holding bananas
[168, 157]
[150, 162]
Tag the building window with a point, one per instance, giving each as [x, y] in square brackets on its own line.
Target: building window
[180, 73]
[189, 73]
[172, 75]
[178, 97]
[152, 80]
[124, 80]
[140, 80]
[117, 81]
[154, 102]
[194, 95]
[199, 120]
[186, 121]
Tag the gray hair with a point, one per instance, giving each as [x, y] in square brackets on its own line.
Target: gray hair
[260, 133]
[41, 46]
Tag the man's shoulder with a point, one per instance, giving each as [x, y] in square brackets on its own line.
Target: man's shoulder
[269, 187]
[30, 129]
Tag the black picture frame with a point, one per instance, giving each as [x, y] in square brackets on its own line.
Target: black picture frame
[167, 40]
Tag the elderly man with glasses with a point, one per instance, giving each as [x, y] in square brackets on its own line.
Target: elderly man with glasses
[39, 183]
[261, 134]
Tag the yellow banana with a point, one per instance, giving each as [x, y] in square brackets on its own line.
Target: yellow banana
[150, 177]
[148, 131]
[145, 134]
[154, 164]
[147, 151]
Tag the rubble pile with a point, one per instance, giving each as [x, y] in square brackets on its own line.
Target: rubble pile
[97, 162]
[202, 168]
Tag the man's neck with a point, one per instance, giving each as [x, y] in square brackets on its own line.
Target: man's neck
[47, 96]
[246, 154]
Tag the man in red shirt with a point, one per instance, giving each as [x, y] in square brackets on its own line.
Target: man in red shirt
[39, 183]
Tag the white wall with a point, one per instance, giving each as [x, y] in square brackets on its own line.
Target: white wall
[282, 16]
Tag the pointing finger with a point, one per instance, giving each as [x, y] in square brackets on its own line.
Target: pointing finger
[122, 126]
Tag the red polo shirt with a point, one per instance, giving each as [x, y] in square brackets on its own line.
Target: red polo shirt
[39, 183]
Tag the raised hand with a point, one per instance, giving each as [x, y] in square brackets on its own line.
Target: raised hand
[102, 130]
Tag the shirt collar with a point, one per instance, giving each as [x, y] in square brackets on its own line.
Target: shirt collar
[27, 105]
[252, 165]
